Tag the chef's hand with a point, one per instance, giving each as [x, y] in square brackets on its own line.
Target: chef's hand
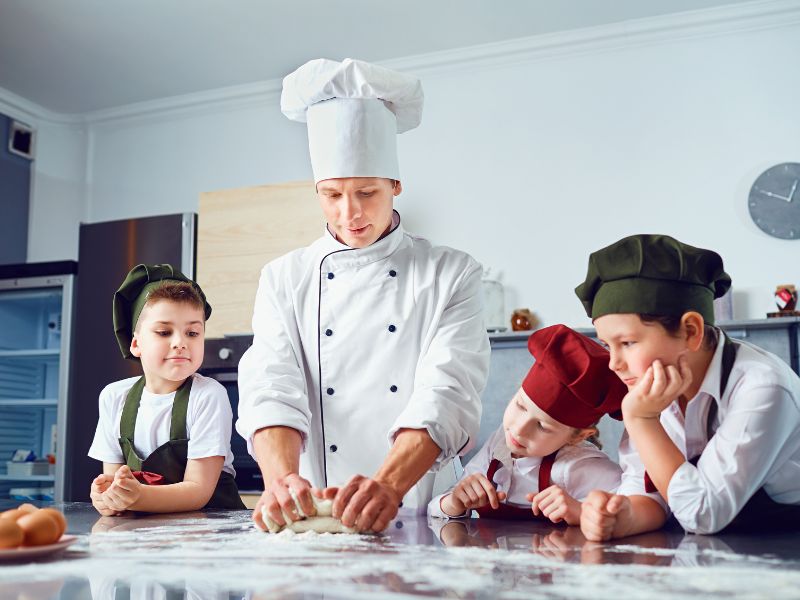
[124, 491]
[473, 491]
[657, 389]
[557, 505]
[99, 485]
[277, 500]
[605, 515]
[365, 504]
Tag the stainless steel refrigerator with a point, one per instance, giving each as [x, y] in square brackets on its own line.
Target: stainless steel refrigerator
[36, 302]
[107, 251]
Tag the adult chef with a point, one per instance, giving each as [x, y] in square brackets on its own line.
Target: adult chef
[369, 352]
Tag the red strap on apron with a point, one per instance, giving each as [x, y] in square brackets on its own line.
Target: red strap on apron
[149, 478]
[509, 511]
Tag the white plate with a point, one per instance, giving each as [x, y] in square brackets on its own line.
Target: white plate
[30, 552]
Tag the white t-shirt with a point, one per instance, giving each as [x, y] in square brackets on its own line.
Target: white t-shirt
[209, 422]
[578, 469]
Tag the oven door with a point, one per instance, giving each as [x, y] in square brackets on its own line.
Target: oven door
[248, 475]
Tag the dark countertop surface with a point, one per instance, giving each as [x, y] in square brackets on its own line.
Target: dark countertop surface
[219, 555]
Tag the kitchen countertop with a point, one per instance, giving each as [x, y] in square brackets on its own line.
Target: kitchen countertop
[219, 555]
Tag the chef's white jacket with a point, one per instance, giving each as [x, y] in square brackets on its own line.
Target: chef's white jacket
[578, 469]
[351, 345]
[756, 442]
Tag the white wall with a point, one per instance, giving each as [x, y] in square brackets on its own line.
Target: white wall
[58, 192]
[58, 179]
[528, 163]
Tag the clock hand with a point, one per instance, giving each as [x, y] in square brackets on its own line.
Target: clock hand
[791, 194]
[779, 197]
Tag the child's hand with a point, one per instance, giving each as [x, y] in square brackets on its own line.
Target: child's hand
[657, 389]
[557, 505]
[99, 485]
[473, 491]
[124, 490]
[605, 515]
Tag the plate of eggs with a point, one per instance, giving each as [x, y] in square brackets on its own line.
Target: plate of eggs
[29, 532]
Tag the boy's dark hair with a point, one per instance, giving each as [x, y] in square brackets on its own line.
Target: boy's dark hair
[672, 325]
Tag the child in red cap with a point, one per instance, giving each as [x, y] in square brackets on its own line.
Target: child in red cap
[539, 463]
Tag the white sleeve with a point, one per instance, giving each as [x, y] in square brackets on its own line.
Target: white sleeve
[451, 374]
[595, 471]
[272, 389]
[736, 461]
[478, 464]
[211, 422]
[105, 446]
[633, 471]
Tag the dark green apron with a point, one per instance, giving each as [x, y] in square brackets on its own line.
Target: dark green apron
[169, 459]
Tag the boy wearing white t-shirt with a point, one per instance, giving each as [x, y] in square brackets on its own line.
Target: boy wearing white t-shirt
[163, 438]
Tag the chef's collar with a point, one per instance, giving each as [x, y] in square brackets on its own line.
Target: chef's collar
[711, 381]
[346, 255]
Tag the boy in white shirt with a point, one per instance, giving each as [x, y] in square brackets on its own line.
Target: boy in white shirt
[712, 424]
[539, 464]
[163, 438]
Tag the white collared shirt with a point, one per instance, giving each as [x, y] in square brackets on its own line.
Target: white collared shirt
[578, 469]
[351, 345]
[756, 442]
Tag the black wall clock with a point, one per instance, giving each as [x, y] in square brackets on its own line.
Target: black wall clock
[774, 201]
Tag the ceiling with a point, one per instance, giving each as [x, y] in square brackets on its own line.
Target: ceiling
[85, 55]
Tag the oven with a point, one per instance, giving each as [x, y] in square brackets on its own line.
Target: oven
[221, 362]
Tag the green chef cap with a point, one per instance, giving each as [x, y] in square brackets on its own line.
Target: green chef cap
[653, 274]
[132, 295]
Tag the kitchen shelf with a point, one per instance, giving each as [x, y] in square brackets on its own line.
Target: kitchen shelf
[28, 401]
[4, 477]
[38, 354]
[45, 294]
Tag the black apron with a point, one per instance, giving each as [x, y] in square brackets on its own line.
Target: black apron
[760, 512]
[169, 460]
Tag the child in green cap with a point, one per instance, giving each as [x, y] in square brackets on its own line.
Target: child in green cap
[164, 437]
[712, 424]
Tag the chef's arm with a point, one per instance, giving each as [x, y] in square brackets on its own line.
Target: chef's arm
[412, 455]
[277, 451]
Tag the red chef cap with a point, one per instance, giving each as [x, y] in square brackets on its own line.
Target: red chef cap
[570, 379]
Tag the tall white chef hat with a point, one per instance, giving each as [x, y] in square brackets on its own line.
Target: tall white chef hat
[354, 112]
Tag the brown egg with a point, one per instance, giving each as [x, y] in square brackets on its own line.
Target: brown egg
[11, 534]
[16, 513]
[61, 521]
[12, 514]
[27, 508]
[39, 528]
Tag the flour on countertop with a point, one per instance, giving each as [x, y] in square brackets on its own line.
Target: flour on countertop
[227, 556]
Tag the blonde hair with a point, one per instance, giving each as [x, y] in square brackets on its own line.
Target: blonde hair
[593, 438]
